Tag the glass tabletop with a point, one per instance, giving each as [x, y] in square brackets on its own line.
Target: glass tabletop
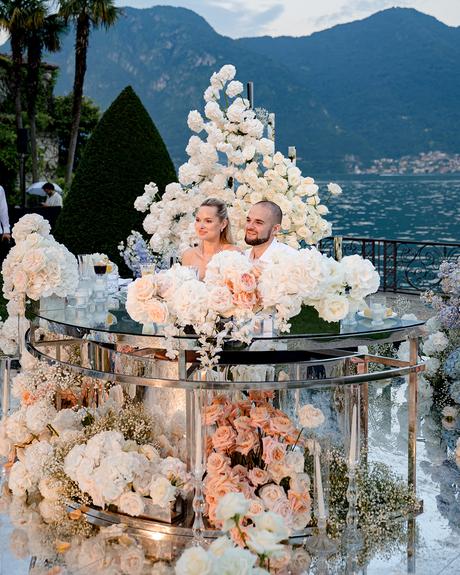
[114, 319]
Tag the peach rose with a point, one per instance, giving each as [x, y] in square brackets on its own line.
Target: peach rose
[239, 472]
[224, 438]
[247, 490]
[247, 282]
[278, 471]
[218, 464]
[258, 476]
[273, 451]
[256, 507]
[157, 311]
[281, 425]
[245, 299]
[212, 413]
[244, 406]
[260, 417]
[270, 494]
[300, 502]
[144, 288]
[220, 300]
[242, 423]
[246, 441]
[258, 396]
[283, 508]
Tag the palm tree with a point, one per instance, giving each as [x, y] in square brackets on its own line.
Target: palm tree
[16, 16]
[86, 14]
[46, 36]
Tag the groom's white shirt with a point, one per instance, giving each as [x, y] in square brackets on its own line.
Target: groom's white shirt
[273, 249]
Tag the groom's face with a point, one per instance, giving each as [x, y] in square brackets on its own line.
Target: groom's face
[260, 227]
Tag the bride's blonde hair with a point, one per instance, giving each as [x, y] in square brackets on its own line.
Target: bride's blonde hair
[222, 214]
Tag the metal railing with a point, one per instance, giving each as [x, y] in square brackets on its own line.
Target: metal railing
[404, 266]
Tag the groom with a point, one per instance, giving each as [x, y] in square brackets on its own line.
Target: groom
[263, 223]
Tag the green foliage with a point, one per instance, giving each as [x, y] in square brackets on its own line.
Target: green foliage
[124, 153]
[8, 154]
[62, 120]
[308, 321]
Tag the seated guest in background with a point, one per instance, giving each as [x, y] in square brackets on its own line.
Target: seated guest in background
[54, 199]
[262, 224]
[213, 231]
[4, 218]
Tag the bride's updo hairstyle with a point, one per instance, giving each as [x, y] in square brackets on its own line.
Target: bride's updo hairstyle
[222, 214]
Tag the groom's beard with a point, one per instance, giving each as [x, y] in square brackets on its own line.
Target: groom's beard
[256, 241]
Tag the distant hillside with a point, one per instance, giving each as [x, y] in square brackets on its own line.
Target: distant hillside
[393, 78]
[384, 86]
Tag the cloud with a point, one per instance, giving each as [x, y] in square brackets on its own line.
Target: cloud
[234, 18]
[353, 10]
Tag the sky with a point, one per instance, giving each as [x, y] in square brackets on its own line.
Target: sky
[237, 18]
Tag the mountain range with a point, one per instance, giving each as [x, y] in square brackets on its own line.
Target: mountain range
[385, 86]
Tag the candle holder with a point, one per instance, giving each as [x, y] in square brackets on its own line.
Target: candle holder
[352, 537]
[199, 462]
[320, 545]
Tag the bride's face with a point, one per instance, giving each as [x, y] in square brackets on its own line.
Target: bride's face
[207, 224]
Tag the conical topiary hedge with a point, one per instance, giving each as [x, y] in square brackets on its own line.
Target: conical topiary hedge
[124, 153]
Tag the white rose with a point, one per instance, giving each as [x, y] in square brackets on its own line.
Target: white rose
[132, 560]
[162, 492]
[334, 189]
[213, 112]
[195, 121]
[272, 522]
[310, 416]
[234, 88]
[263, 542]
[333, 307]
[227, 72]
[34, 260]
[194, 561]
[220, 545]
[131, 503]
[235, 561]
[295, 461]
[20, 481]
[229, 506]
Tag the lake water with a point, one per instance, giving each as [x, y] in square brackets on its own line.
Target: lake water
[418, 208]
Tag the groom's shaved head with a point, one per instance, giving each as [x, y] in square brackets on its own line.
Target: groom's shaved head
[274, 209]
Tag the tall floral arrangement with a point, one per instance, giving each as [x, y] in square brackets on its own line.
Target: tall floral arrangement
[230, 159]
[256, 450]
[442, 346]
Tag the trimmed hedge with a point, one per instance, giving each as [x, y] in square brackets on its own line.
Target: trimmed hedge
[124, 153]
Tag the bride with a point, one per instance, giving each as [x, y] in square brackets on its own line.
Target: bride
[168, 405]
[212, 228]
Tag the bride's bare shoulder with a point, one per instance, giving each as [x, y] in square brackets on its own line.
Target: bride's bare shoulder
[189, 256]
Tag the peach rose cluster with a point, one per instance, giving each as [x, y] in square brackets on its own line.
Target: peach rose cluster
[255, 449]
[232, 272]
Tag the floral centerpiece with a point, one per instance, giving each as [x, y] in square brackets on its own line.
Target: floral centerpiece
[256, 450]
[230, 159]
[37, 266]
[442, 346]
[236, 290]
